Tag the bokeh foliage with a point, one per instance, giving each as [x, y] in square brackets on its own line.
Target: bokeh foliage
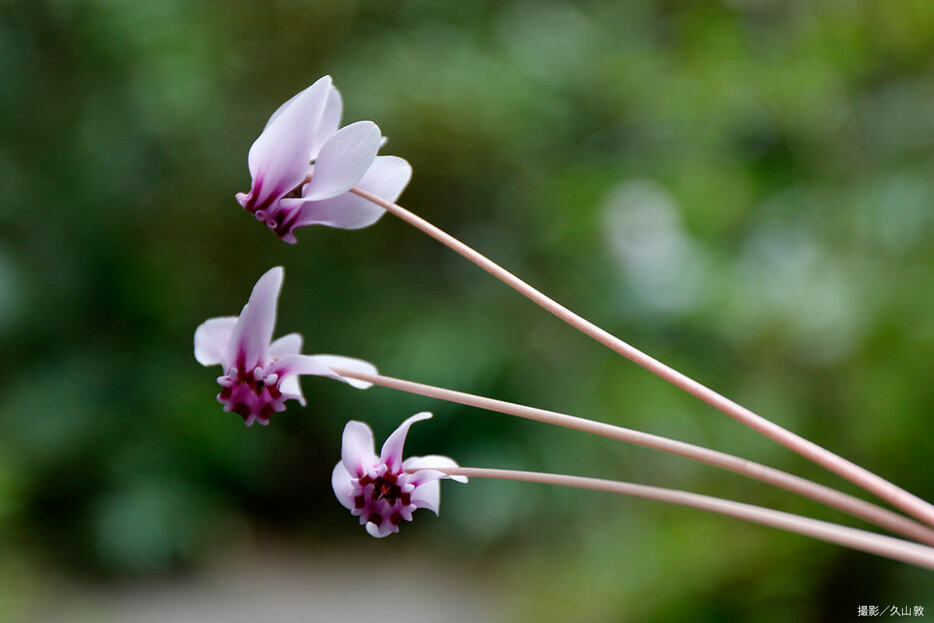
[744, 189]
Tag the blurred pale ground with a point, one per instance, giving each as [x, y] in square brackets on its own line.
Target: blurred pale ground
[279, 585]
[744, 189]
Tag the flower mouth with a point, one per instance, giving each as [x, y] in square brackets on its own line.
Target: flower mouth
[385, 487]
[383, 500]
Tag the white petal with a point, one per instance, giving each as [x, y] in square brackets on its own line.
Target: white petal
[351, 364]
[343, 160]
[342, 483]
[357, 449]
[294, 365]
[386, 178]
[275, 115]
[375, 531]
[251, 335]
[432, 461]
[428, 495]
[292, 387]
[278, 159]
[391, 454]
[329, 123]
[212, 339]
[286, 345]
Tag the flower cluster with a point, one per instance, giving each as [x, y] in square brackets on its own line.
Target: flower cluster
[304, 167]
[307, 170]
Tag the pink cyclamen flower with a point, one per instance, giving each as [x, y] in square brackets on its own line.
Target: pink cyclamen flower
[303, 166]
[378, 489]
[261, 374]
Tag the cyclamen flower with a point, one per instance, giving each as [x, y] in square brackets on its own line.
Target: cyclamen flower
[303, 167]
[259, 374]
[378, 489]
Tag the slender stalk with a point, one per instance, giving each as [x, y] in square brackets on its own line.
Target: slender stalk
[889, 547]
[885, 490]
[825, 495]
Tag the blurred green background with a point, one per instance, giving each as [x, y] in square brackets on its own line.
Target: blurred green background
[743, 189]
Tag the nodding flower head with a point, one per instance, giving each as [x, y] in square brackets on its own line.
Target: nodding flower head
[383, 491]
[261, 374]
[303, 167]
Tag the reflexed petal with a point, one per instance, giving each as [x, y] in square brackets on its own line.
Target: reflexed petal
[343, 160]
[253, 332]
[386, 178]
[357, 449]
[377, 531]
[330, 121]
[294, 365]
[391, 454]
[212, 339]
[342, 483]
[278, 159]
[428, 495]
[351, 364]
[432, 462]
[292, 388]
[286, 345]
[346, 211]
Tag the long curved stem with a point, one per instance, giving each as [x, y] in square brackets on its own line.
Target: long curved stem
[825, 495]
[889, 547]
[862, 477]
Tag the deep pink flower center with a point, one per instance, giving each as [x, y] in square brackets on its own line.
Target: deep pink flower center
[249, 397]
[385, 487]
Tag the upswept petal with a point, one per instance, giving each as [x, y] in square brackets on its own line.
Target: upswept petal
[211, 340]
[351, 364]
[278, 112]
[330, 117]
[432, 462]
[251, 335]
[278, 159]
[391, 453]
[386, 178]
[357, 448]
[428, 495]
[342, 483]
[330, 121]
[342, 161]
[286, 345]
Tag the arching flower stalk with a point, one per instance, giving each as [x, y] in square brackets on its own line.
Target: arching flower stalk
[861, 540]
[849, 504]
[383, 491]
[286, 194]
[261, 374]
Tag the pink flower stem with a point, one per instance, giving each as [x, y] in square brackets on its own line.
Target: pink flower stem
[885, 490]
[890, 547]
[825, 495]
